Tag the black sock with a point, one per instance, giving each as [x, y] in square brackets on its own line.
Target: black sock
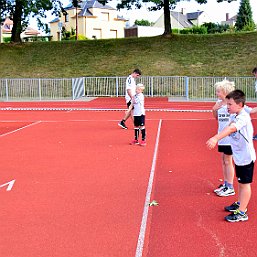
[143, 133]
[136, 133]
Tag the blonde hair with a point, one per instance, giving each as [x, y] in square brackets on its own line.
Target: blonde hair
[226, 86]
[141, 86]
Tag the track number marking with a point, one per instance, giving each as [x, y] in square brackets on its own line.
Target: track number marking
[9, 185]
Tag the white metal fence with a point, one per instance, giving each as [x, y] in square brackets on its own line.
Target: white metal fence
[187, 88]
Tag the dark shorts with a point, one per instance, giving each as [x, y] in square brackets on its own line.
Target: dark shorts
[226, 149]
[244, 173]
[139, 121]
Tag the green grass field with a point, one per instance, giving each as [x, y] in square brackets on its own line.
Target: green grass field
[182, 55]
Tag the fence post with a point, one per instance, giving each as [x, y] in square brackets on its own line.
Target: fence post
[117, 87]
[73, 89]
[39, 89]
[186, 87]
[152, 86]
[6, 90]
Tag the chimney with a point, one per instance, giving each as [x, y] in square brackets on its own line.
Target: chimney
[227, 16]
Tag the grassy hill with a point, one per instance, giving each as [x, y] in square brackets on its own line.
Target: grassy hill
[182, 55]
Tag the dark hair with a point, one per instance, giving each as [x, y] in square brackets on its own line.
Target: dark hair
[254, 70]
[137, 71]
[238, 96]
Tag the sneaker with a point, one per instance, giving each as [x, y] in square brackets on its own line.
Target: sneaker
[226, 192]
[236, 216]
[233, 207]
[122, 125]
[220, 187]
[143, 143]
[134, 142]
[255, 137]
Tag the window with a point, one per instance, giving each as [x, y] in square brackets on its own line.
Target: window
[66, 17]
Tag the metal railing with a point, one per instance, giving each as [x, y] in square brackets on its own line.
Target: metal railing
[177, 87]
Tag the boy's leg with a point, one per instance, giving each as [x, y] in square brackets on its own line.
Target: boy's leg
[143, 131]
[128, 113]
[244, 195]
[136, 132]
[228, 172]
[228, 169]
[244, 176]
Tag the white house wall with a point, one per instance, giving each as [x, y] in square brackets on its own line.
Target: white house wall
[147, 31]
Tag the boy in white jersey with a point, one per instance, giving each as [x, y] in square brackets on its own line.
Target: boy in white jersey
[139, 115]
[220, 112]
[130, 92]
[241, 132]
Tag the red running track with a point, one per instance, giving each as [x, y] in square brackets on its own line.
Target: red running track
[80, 188]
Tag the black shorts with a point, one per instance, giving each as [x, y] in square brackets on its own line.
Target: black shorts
[244, 173]
[139, 121]
[226, 149]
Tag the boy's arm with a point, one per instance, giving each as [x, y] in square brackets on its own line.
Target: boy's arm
[215, 109]
[254, 110]
[211, 143]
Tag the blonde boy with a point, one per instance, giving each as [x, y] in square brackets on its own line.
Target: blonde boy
[220, 112]
[139, 115]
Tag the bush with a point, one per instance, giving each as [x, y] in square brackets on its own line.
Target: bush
[80, 37]
[199, 30]
[7, 39]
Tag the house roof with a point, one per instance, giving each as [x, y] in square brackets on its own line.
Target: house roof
[193, 15]
[232, 18]
[55, 20]
[182, 19]
[31, 32]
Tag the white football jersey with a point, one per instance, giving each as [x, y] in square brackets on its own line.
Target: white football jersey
[242, 140]
[138, 102]
[130, 84]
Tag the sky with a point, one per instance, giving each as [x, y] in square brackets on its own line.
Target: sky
[216, 11]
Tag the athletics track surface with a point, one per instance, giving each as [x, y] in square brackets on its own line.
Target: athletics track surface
[77, 188]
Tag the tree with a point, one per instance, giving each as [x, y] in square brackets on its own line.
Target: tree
[20, 12]
[143, 22]
[76, 4]
[166, 5]
[244, 19]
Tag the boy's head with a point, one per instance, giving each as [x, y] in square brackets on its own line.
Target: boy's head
[140, 88]
[235, 101]
[223, 88]
[136, 73]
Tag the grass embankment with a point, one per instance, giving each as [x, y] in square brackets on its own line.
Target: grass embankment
[182, 55]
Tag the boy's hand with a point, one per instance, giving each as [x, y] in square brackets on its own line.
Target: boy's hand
[217, 106]
[211, 143]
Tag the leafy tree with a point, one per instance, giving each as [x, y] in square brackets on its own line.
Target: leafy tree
[166, 5]
[244, 19]
[20, 12]
[143, 22]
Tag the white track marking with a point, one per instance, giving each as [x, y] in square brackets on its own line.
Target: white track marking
[11, 132]
[10, 185]
[141, 237]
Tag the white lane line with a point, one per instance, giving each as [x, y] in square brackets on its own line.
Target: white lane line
[13, 131]
[141, 237]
